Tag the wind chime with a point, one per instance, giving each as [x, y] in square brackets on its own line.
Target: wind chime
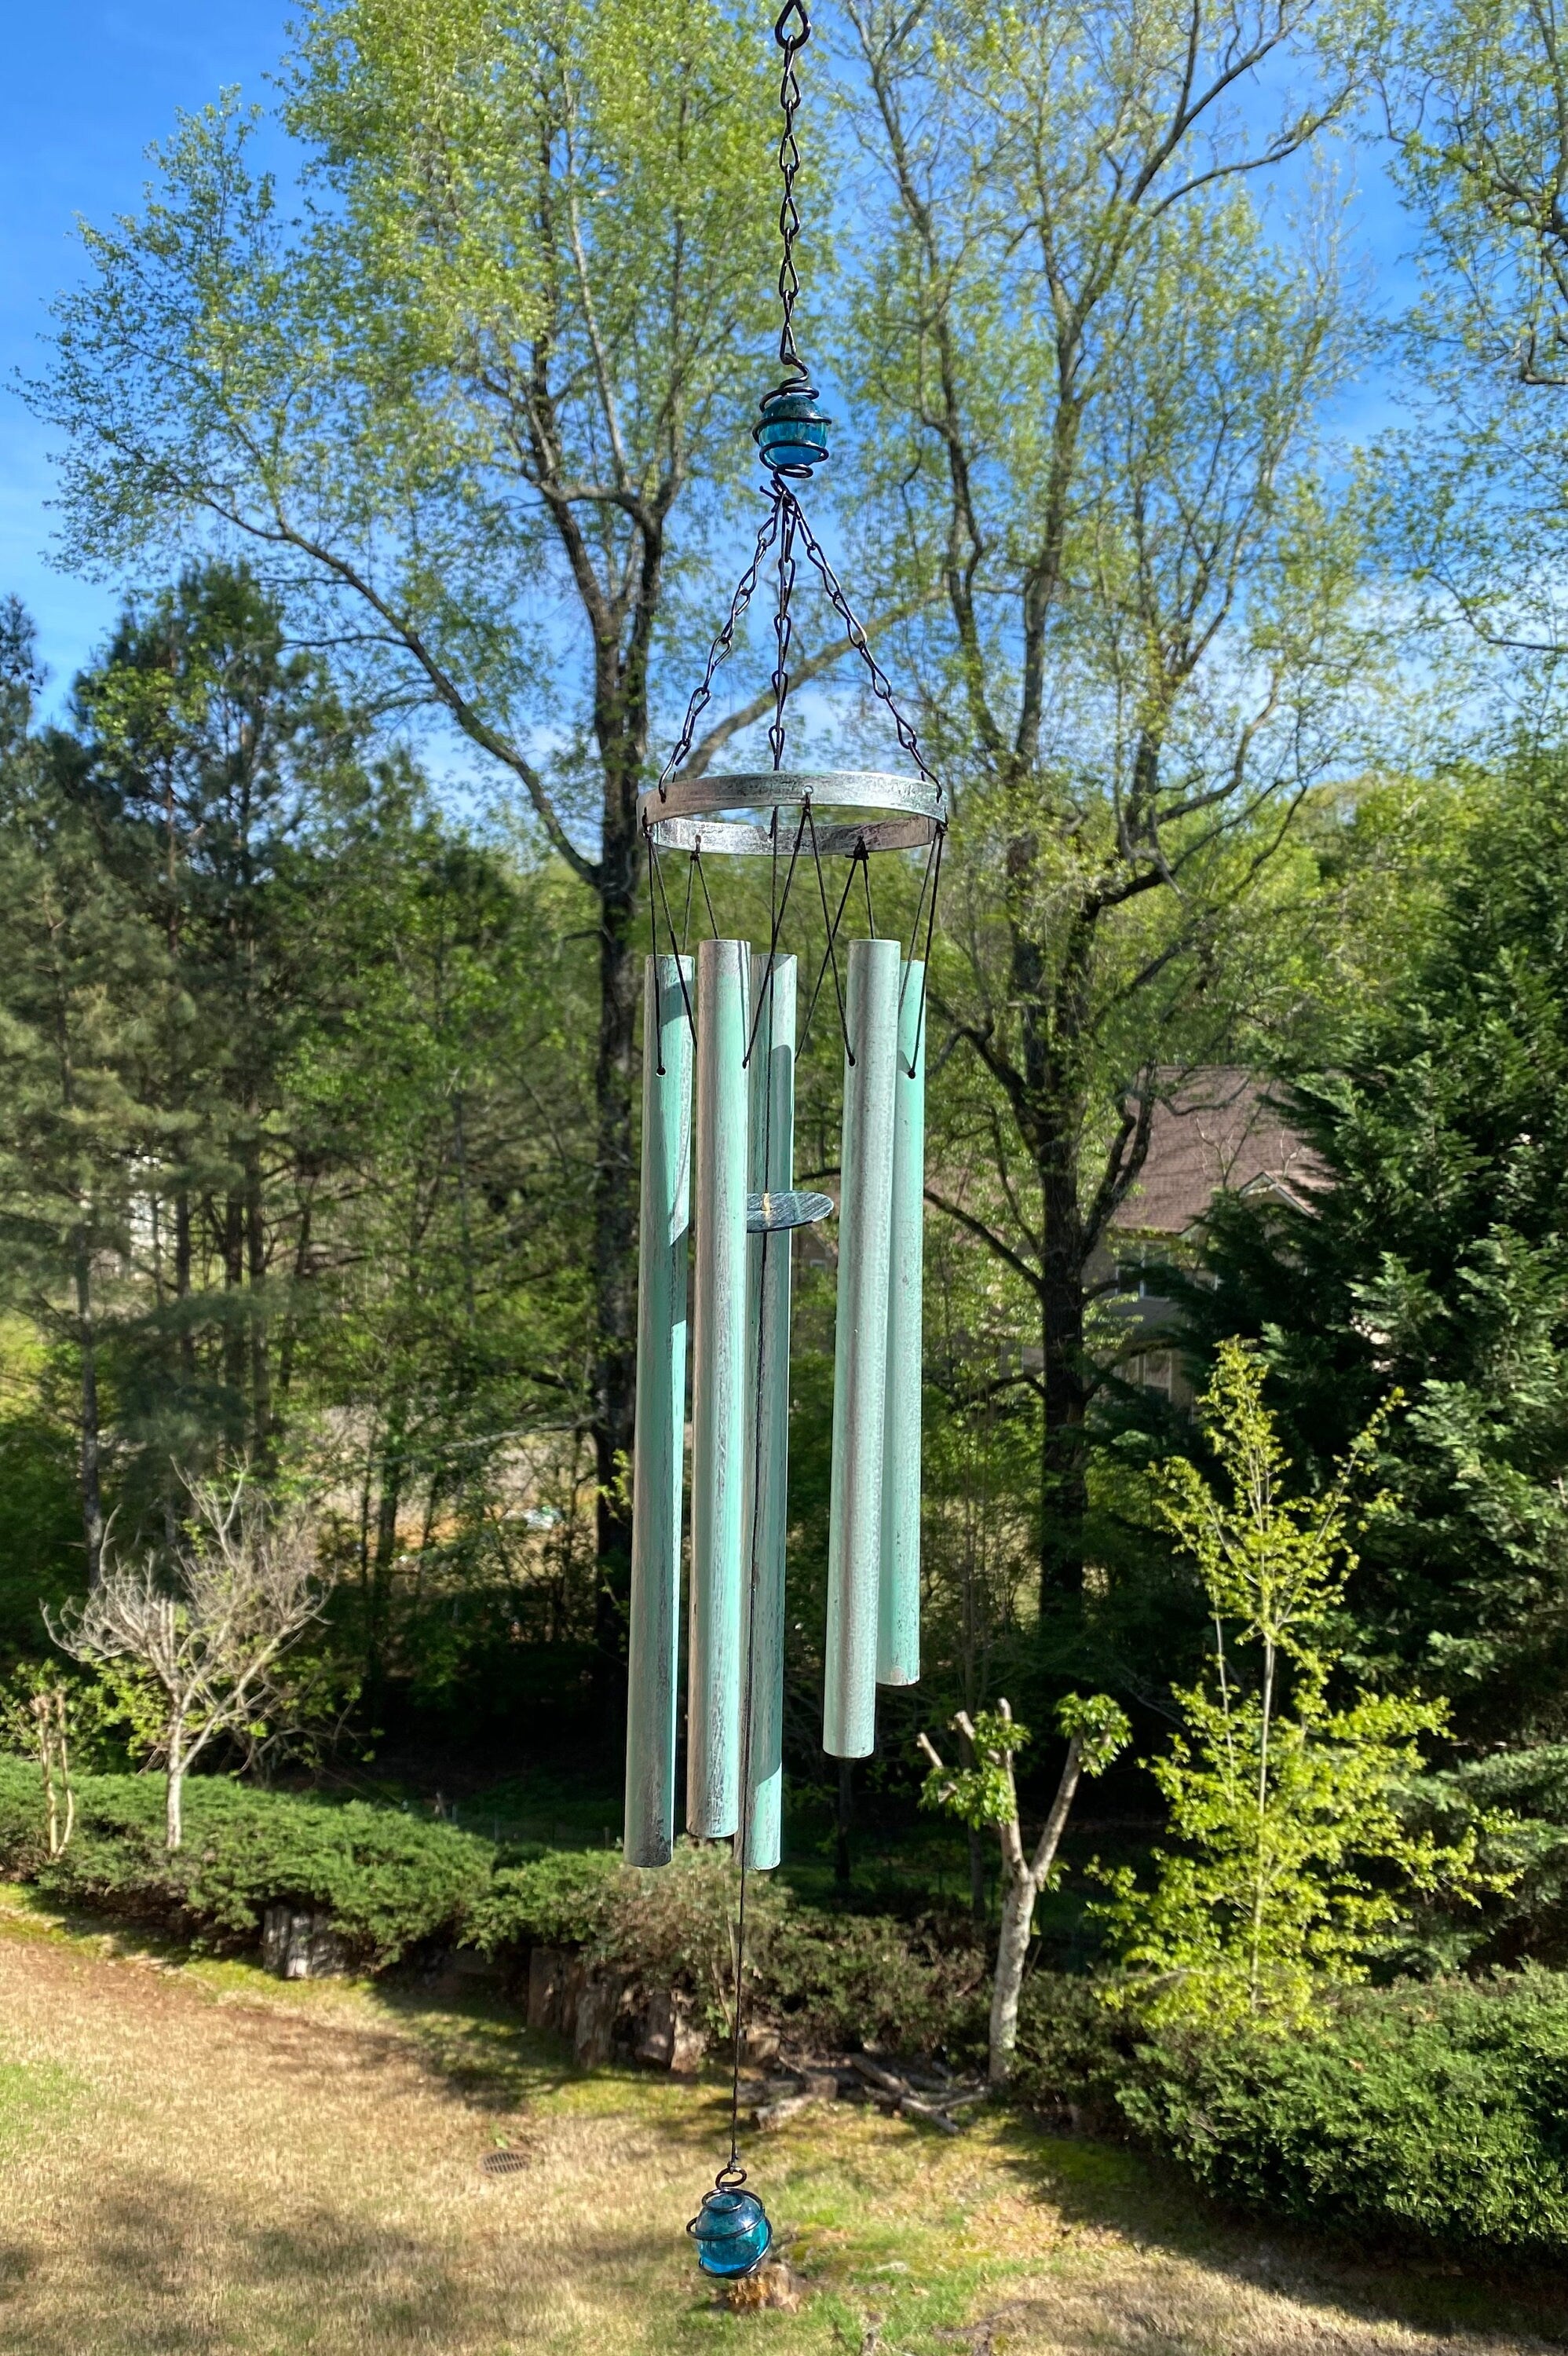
[722, 1193]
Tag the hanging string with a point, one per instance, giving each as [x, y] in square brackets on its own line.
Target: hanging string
[830, 954]
[656, 872]
[777, 926]
[686, 918]
[784, 632]
[925, 966]
[882, 686]
[865, 858]
[654, 940]
[702, 873]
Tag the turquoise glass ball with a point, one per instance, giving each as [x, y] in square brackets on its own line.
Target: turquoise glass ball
[793, 432]
[732, 2233]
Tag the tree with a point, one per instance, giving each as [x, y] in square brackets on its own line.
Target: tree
[1477, 103]
[1433, 1257]
[218, 770]
[78, 970]
[1295, 1856]
[458, 413]
[211, 1634]
[985, 1793]
[1094, 378]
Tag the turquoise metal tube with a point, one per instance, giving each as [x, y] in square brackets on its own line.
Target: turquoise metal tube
[860, 1359]
[767, 1467]
[718, 1380]
[654, 1645]
[898, 1606]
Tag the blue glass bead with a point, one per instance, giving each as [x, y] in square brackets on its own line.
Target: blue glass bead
[732, 2233]
[793, 432]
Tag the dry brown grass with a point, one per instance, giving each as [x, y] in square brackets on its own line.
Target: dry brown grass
[194, 2162]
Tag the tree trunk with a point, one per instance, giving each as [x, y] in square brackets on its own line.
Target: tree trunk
[615, 1226]
[1018, 1895]
[1064, 1485]
[174, 1801]
[182, 1286]
[91, 1476]
[379, 1597]
[234, 1309]
[1022, 1882]
[256, 1276]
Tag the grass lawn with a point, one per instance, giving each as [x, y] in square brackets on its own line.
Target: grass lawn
[196, 2161]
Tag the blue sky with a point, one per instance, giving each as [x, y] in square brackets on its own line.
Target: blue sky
[90, 83]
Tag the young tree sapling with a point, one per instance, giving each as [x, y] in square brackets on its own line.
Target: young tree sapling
[986, 1793]
[244, 1585]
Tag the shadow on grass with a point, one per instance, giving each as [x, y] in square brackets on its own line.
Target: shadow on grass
[152, 2272]
[1154, 2206]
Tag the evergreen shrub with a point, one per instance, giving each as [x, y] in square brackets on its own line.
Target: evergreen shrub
[1434, 2114]
[388, 1882]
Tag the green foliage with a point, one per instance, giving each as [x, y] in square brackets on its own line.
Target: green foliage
[558, 1900]
[847, 1980]
[1434, 1258]
[1296, 1856]
[982, 1793]
[985, 1793]
[1427, 2114]
[842, 1979]
[388, 1882]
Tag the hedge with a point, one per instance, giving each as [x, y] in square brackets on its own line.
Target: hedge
[391, 1883]
[1434, 2114]
[1437, 2113]
[388, 1882]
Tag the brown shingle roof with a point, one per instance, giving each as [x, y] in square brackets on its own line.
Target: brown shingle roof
[1219, 1132]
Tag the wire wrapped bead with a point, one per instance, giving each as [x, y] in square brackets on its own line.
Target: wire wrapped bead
[792, 435]
[732, 2233]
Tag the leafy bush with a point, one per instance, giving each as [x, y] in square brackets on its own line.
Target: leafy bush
[1436, 2112]
[858, 1979]
[838, 1979]
[388, 1881]
[558, 1899]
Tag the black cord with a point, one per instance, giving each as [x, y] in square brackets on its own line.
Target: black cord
[702, 873]
[777, 926]
[675, 950]
[925, 966]
[830, 955]
[653, 939]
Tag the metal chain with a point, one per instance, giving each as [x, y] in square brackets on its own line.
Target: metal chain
[882, 686]
[791, 31]
[783, 629]
[702, 695]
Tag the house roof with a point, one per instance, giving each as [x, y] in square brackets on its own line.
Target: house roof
[1218, 1132]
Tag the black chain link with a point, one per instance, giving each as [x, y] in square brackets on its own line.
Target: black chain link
[792, 31]
[784, 629]
[882, 686]
[702, 694]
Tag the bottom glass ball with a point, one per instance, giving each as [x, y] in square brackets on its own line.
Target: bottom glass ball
[732, 2233]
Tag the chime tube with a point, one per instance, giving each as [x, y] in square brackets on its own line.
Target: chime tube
[656, 1463]
[719, 1378]
[897, 1605]
[861, 1360]
[767, 1434]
